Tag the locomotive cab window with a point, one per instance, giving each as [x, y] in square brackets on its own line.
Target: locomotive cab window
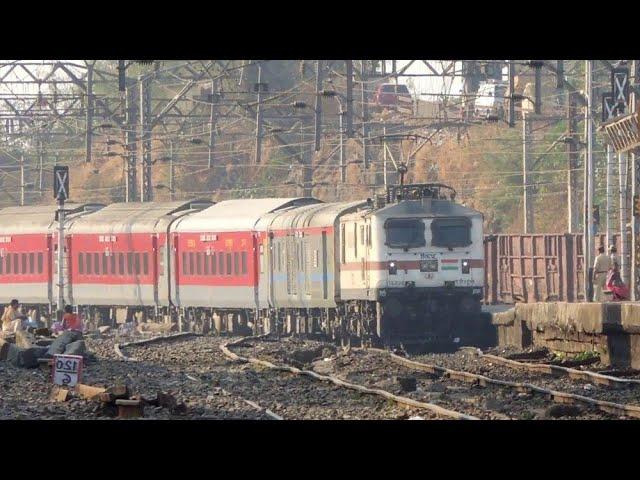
[451, 232]
[404, 233]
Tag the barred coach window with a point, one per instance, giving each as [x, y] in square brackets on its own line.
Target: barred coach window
[81, 264]
[40, 262]
[451, 232]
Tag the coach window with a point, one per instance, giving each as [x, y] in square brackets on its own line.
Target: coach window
[81, 263]
[105, 265]
[145, 263]
[361, 234]
[184, 263]
[8, 269]
[24, 264]
[220, 263]
[87, 257]
[192, 269]
[112, 260]
[236, 263]
[244, 263]
[205, 270]
[1, 265]
[40, 263]
[96, 263]
[130, 263]
[369, 235]
[199, 263]
[136, 263]
[32, 263]
[121, 263]
[228, 264]
[213, 263]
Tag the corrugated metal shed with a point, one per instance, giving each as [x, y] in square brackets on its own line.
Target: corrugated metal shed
[237, 215]
[133, 217]
[40, 218]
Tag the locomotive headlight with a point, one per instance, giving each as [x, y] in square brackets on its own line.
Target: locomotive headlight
[392, 268]
[429, 265]
[465, 266]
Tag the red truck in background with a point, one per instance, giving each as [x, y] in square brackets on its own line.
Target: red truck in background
[392, 96]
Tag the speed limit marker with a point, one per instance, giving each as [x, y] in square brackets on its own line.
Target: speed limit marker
[67, 370]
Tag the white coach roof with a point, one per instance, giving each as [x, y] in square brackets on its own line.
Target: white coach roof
[40, 218]
[134, 217]
[236, 215]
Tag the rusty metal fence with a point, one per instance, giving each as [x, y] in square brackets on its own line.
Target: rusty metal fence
[536, 267]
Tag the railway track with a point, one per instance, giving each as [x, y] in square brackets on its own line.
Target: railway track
[430, 407]
[475, 391]
[556, 396]
[281, 396]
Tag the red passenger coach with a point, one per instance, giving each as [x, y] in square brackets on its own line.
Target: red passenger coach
[28, 241]
[119, 255]
[219, 254]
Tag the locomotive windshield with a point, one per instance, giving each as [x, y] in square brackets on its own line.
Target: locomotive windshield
[451, 232]
[404, 233]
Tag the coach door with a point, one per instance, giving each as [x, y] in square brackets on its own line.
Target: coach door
[156, 254]
[174, 270]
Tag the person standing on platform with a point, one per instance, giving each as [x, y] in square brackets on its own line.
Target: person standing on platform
[600, 269]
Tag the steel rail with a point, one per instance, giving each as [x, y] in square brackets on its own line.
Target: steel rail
[557, 370]
[163, 338]
[554, 395]
[225, 347]
[118, 346]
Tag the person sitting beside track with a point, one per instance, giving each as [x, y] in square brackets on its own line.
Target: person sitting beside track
[12, 317]
[70, 320]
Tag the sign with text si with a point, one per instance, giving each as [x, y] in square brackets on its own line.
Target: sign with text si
[60, 183]
[67, 370]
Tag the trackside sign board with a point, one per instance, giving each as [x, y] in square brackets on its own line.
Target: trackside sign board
[67, 370]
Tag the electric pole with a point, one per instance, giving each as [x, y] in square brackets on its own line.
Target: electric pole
[572, 158]
[258, 153]
[318, 107]
[623, 177]
[635, 224]
[512, 107]
[145, 133]
[610, 188]
[349, 69]
[130, 143]
[343, 171]
[171, 190]
[365, 113]
[22, 181]
[89, 116]
[212, 123]
[588, 181]
[538, 87]
[528, 188]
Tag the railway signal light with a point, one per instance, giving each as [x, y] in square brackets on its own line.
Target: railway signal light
[636, 205]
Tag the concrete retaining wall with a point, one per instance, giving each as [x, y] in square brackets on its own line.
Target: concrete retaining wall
[611, 329]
